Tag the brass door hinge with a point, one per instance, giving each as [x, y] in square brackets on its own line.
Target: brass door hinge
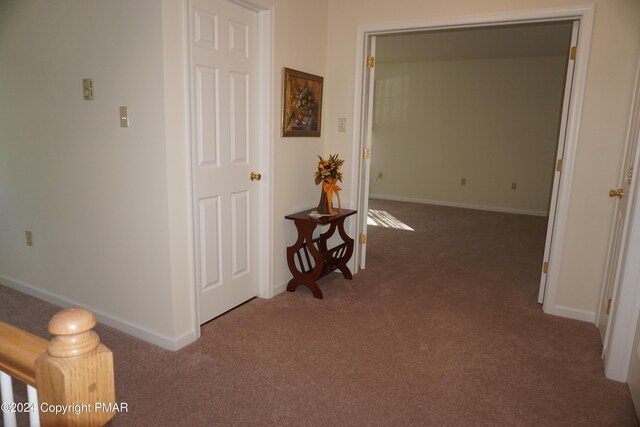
[609, 306]
[362, 238]
[559, 165]
[545, 267]
[371, 62]
[574, 51]
[366, 153]
[630, 175]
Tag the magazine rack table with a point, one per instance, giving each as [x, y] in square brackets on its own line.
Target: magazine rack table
[310, 259]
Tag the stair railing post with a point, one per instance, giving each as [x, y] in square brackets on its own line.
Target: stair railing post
[75, 376]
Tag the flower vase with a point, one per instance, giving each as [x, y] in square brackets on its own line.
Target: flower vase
[323, 206]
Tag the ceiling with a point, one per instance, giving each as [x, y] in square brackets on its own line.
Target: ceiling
[513, 41]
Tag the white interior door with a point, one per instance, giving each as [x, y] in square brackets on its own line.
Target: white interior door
[614, 262]
[633, 377]
[558, 171]
[367, 129]
[223, 74]
[620, 229]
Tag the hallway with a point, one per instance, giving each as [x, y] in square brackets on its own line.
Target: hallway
[442, 328]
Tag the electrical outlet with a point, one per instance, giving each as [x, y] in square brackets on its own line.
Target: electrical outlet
[514, 185]
[463, 181]
[29, 238]
[124, 117]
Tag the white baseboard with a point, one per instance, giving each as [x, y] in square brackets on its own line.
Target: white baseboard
[280, 288]
[458, 205]
[573, 313]
[109, 320]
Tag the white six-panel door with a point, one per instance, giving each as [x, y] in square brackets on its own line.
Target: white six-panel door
[223, 76]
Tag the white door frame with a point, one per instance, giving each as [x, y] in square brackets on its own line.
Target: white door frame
[582, 13]
[265, 148]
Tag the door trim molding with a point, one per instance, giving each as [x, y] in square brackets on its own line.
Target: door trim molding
[265, 150]
[582, 13]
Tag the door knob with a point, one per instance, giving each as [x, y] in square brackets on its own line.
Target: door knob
[255, 176]
[616, 193]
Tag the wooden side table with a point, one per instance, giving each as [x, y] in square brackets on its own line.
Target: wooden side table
[314, 259]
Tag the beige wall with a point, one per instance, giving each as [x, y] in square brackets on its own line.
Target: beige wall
[93, 194]
[301, 44]
[615, 49]
[109, 207]
[492, 121]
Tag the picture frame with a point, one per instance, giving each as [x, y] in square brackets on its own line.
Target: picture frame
[301, 103]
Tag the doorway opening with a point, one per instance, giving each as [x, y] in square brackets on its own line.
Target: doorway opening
[383, 108]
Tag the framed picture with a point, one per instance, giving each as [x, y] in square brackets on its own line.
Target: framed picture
[301, 103]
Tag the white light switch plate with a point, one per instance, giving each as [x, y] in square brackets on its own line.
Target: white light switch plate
[87, 89]
[342, 124]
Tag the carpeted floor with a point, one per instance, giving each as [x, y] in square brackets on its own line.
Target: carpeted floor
[442, 328]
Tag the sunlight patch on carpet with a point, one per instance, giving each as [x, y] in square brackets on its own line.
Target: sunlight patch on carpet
[385, 219]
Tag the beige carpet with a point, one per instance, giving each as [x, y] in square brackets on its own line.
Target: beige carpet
[442, 328]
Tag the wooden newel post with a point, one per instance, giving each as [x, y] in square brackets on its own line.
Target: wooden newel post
[75, 376]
